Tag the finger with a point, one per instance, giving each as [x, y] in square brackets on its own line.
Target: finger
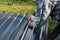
[30, 18]
[30, 24]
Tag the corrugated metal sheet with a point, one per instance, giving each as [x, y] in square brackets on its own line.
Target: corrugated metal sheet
[15, 27]
[12, 26]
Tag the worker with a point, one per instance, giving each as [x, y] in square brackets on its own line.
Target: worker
[43, 10]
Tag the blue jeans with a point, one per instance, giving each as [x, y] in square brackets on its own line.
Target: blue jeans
[41, 34]
[44, 31]
[55, 32]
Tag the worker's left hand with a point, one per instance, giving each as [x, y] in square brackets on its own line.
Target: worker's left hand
[31, 18]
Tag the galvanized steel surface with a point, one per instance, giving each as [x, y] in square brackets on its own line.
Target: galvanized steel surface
[12, 26]
[15, 27]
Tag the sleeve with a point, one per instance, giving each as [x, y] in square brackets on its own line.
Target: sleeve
[42, 12]
[55, 14]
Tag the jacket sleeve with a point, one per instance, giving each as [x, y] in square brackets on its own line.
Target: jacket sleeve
[55, 14]
[42, 12]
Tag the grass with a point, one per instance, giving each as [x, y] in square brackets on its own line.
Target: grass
[52, 24]
[17, 8]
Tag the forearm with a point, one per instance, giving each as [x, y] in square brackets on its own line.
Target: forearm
[42, 12]
[39, 4]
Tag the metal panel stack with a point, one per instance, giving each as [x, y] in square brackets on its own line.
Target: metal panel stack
[15, 27]
[12, 26]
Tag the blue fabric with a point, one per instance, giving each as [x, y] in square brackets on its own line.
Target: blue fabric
[56, 31]
[41, 15]
[43, 9]
[55, 14]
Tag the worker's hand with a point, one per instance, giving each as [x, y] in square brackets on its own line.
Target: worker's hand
[31, 18]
